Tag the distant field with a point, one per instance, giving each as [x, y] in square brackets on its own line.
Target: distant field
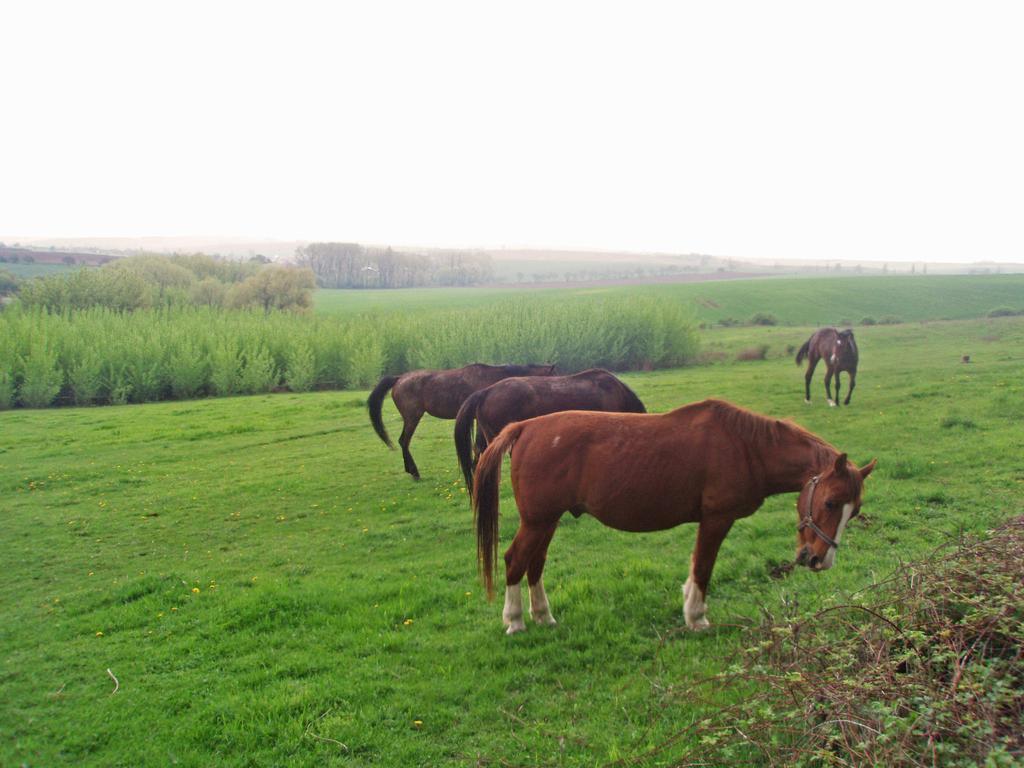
[270, 588]
[793, 301]
[22, 270]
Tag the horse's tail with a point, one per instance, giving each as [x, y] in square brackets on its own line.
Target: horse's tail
[374, 403]
[633, 403]
[485, 502]
[463, 436]
[804, 350]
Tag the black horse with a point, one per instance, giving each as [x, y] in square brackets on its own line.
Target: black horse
[520, 398]
[439, 393]
[839, 351]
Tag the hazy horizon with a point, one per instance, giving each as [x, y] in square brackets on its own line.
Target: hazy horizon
[796, 131]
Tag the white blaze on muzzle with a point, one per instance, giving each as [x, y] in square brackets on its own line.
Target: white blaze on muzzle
[830, 556]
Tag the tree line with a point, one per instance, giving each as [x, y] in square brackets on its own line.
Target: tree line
[152, 281]
[350, 265]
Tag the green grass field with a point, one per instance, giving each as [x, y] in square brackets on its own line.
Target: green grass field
[793, 301]
[270, 588]
[24, 271]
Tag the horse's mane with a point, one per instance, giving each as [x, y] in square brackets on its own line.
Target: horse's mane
[761, 430]
[522, 370]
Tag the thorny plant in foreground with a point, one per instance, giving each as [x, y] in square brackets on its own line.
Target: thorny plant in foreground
[925, 669]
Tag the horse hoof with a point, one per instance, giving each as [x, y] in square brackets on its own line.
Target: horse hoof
[807, 401]
[545, 620]
[832, 403]
[515, 626]
[699, 625]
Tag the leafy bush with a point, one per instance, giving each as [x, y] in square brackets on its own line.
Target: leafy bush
[106, 356]
[889, 320]
[868, 321]
[763, 318]
[187, 370]
[145, 282]
[208, 293]
[275, 287]
[8, 283]
[117, 289]
[6, 389]
[258, 372]
[927, 663]
[85, 375]
[300, 368]
[42, 378]
[225, 368]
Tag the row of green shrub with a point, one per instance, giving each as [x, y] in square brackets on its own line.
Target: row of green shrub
[148, 282]
[103, 356]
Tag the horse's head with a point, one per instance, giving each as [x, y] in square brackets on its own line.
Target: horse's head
[845, 348]
[826, 504]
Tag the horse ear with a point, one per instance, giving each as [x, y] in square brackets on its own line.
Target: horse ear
[840, 467]
[868, 468]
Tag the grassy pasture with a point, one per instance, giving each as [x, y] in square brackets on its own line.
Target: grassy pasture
[793, 301]
[24, 270]
[270, 588]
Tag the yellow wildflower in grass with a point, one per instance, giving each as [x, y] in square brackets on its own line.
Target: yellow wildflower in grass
[407, 622]
[195, 590]
[99, 634]
[417, 723]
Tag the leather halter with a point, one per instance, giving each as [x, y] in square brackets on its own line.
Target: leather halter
[806, 521]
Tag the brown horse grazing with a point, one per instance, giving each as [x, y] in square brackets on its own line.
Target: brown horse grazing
[839, 351]
[523, 398]
[709, 463]
[439, 393]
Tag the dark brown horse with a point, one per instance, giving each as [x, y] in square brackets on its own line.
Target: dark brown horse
[709, 463]
[839, 351]
[439, 393]
[523, 398]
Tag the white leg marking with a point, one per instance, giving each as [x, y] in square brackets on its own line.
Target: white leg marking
[512, 615]
[694, 606]
[832, 402]
[807, 400]
[830, 556]
[540, 610]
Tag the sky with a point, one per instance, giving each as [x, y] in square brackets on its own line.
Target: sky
[882, 130]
